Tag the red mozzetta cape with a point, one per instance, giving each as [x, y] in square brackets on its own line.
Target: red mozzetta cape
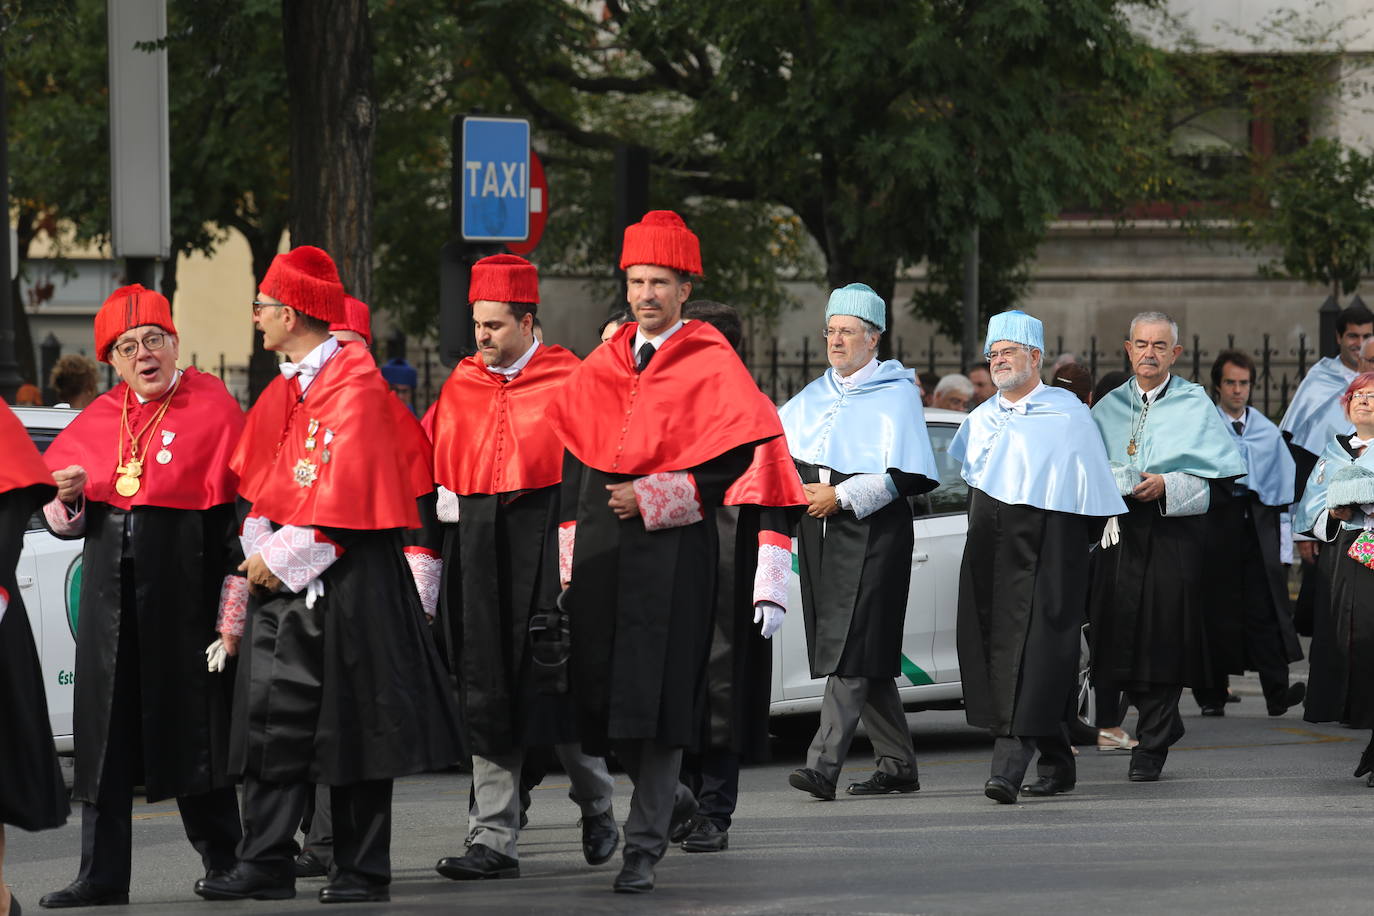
[694, 402]
[378, 466]
[23, 466]
[206, 420]
[771, 480]
[490, 436]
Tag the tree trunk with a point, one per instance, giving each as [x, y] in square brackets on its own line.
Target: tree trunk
[329, 78]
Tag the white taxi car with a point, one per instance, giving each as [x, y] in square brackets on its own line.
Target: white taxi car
[930, 661]
[49, 575]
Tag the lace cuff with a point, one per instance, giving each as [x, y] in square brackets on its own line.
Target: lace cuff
[63, 521]
[567, 537]
[233, 605]
[775, 563]
[864, 494]
[448, 505]
[254, 534]
[299, 555]
[1185, 494]
[668, 500]
[426, 567]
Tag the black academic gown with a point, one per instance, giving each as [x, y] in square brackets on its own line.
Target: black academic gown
[854, 582]
[370, 700]
[32, 793]
[1243, 568]
[1146, 606]
[178, 558]
[1023, 586]
[641, 608]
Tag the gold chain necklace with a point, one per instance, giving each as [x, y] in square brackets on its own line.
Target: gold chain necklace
[130, 471]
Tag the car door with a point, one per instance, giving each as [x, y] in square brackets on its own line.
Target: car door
[941, 523]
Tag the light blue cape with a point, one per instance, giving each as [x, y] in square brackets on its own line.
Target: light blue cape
[1182, 433]
[1270, 465]
[874, 427]
[1333, 458]
[1315, 414]
[1051, 457]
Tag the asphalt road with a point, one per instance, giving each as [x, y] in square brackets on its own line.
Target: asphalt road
[1254, 815]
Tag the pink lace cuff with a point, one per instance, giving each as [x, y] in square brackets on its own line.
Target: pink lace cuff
[668, 500]
[233, 605]
[426, 567]
[567, 537]
[64, 521]
[254, 534]
[299, 555]
[775, 564]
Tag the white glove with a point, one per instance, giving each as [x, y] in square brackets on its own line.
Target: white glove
[215, 655]
[770, 615]
[1111, 534]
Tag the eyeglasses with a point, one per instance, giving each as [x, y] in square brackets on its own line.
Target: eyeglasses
[841, 333]
[151, 342]
[1362, 397]
[259, 306]
[994, 355]
[1159, 346]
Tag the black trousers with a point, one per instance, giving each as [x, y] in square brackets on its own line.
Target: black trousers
[713, 777]
[211, 819]
[1159, 726]
[362, 827]
[1263, 648]
[1011, 755]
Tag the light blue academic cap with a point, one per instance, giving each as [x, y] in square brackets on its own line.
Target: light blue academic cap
[1016, 326]
[859, 300]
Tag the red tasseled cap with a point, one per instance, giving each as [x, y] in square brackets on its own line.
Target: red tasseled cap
[129, 307]
[357, 319]
[661, 238]
[504, 278]
[306, 279]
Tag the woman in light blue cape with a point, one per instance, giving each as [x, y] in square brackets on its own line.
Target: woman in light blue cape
[1316, 412]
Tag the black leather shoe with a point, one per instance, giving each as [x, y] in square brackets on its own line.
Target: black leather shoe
[244, 882]
[308, 865]
[812, 781]
[479, 862]
[1214, 711]
[637, 876]
[352, 889]
[881, 783]
[706, 837]
[83, 893]
[1000, 790]
[1143, 771]
[600, 837]
[684, 813]
[1046, 786]
[1294, 695]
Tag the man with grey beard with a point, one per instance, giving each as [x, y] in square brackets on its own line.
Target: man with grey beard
[1039, 489]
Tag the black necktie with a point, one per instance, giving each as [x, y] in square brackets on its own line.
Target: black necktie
[1238, 427]
[646, 353]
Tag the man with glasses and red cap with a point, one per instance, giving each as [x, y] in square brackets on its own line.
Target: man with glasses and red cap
[338, 682]
[657, 423]
[143, 473]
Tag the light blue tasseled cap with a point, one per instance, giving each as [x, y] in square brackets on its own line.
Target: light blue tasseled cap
[859, 300]
[1352, 485]
[1016, 326]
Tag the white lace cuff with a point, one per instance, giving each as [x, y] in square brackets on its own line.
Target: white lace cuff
[299, 555]
[1286, 538]
[567, 538]
[864, 494]
[233, 605]
[1185, 494]
[254, 533]
[668, 500]
[63, 521]
[775, 563]
[448, 505]
[426, 567]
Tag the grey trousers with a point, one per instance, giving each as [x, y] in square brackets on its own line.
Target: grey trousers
[495, 820]
[876, 702]
[653, 768]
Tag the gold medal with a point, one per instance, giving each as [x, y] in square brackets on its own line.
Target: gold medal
[127, 486]
[1130, 448]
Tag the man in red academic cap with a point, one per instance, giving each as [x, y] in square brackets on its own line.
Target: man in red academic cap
[658, 422]
[143, 473]
[356, 324]
[500, 466]
[338, 681]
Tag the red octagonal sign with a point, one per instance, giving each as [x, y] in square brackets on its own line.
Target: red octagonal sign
[539, 208]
